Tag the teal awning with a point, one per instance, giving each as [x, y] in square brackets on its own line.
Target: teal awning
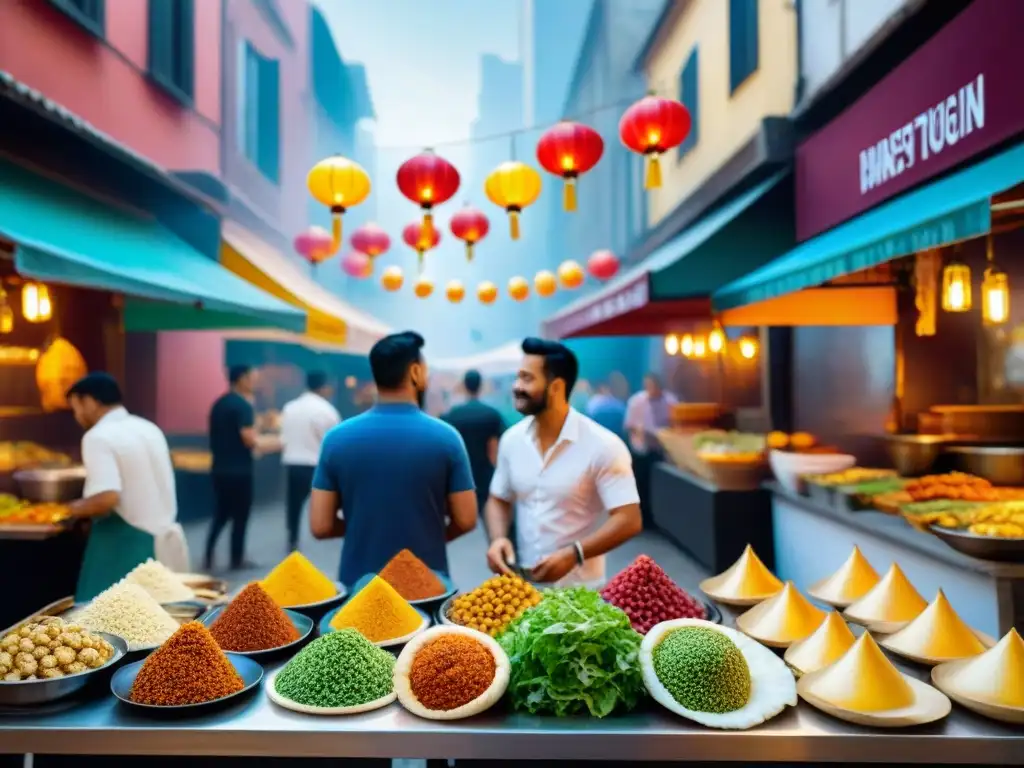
[64, 236]
[954, 208]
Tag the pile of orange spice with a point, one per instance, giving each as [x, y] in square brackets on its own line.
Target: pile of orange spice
[411, 577]
[188, 669]
[253, 622]
[451, 671]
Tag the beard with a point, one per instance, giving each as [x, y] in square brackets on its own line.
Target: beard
[531, 406]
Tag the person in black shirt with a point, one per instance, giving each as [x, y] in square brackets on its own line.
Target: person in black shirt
[232, 440]
[480, 426]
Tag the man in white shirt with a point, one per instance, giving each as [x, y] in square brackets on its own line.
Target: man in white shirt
[129, 489]
[305, 421]
[647, 411]
[570, 479]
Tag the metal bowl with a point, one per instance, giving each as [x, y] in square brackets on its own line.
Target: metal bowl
[51, 485]
[998, 465]
[27, 693]
[121, 686]
[302, 623]
[318, 609]
[914, 455]
[982, 547]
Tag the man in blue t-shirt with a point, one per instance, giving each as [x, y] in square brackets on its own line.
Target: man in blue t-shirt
[401, 478]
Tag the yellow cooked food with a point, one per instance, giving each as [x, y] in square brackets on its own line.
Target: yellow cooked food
[491, 607]
[50, 648]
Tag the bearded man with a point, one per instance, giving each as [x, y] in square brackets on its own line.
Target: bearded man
[569, 479]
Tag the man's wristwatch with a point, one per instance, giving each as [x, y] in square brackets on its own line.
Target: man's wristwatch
[578, 548]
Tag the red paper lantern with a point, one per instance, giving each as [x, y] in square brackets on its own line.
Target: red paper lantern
[314, 245]
[568, 150]
[603, 265]
[421, 240]
[428, 180]
[471, 226]
[651, 127]
[371, 240]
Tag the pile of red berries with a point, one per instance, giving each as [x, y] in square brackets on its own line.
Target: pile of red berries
[648, 596]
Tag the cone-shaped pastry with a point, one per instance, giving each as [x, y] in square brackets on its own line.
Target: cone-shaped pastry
[889, 606]
[828, 643]
[747, 582]
[782, 620]
[937, 635]
[991, 684]
[864, 687]
[854, 579]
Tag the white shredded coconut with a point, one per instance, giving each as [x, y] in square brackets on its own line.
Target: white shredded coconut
[130, 612]
[162, 583]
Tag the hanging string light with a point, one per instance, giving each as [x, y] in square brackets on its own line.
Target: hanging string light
[392, 279]
[545, 283]
[518, 289]
[36, 306]
[686, 346]
[700, 347]
[6, 313]
[748, 348]
[716, 340]
[995, 290]
[672, 344]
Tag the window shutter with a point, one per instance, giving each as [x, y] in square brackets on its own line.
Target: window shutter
[743, 41]
[269, 119]
[252, 99]
[160, 22]
[689, 84]
[184, 54]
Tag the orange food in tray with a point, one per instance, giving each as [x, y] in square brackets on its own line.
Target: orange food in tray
[957, 486]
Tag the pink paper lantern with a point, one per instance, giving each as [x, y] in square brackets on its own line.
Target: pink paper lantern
[357, 265]
[314, 245]
[603, 265]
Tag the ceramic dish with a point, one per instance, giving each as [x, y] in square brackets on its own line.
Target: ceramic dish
[942, 677]
[124, 678]
[306, 709]
[449, 589]
[25, 693]
[302, 623]
[326, 628]
[929, 705]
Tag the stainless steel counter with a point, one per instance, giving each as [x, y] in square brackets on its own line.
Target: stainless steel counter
[258, 728]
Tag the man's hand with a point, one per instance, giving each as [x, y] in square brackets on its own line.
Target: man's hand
[500, 555]
[554, 567]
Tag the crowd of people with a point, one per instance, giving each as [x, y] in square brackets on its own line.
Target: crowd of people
[557, 490]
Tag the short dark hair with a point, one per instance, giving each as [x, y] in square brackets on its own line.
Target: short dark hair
[559, 360]
[471, 381]
[316, 380]
[392, 356]
[238, 372]
[100, 386]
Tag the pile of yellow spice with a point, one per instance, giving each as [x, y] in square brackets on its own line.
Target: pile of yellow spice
[491, 607]
[296, 581]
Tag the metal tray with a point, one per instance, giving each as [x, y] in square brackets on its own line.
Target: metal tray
[303, 624]
[27, 693]
[121, 687]
[982, 547]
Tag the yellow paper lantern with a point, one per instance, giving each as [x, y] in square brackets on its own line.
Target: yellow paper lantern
[513, 186]
[392, 279]
[518, 289]
[571, 274]
[545, 283]
[339, 184]
[423, 288]
[487, 292]
[455, 291]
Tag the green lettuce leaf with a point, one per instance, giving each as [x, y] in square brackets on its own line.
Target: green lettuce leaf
[573, 653]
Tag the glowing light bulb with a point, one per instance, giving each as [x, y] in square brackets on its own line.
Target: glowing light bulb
[671, 344]
[700, 347]
[748, 349]
[995, 297]
[686, 346]
[716, 340]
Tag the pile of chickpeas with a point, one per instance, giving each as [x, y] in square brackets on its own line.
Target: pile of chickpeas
[51, 648]
[491, 607]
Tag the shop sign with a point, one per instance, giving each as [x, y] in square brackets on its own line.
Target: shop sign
[956, 97]
[628, 298]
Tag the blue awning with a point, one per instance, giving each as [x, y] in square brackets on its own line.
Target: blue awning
[64, 236]
[957, 207]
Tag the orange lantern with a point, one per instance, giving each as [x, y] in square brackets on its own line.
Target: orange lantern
[570, 274]
[513, 186]
[392, 279]
[338, 183]
[651, 127]
[568, 150]
[471, 226]
[420, 240]
[545, 283]
[518, 289]
[487, 292]
[423, 288]
[371, 240]
[428, 180]
[455, 291]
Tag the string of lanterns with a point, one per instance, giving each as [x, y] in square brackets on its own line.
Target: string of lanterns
[698, 346]
[651, 126]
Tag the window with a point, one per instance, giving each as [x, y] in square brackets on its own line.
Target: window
[87, 13]
[259, 110]
[743, 49]
[172, 46]
[689, 94]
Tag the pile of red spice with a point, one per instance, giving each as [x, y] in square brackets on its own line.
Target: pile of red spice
[188, 669]
[648, 596]
[411, 577]
[253, 622]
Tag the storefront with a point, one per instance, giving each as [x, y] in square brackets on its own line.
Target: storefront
[907, 205]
